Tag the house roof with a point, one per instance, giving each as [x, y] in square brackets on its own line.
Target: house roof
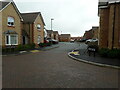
[4, 5]
[104, 3]
[31, 17]
[95, 27]
[49, 31]
[65, 35]
[55, 32]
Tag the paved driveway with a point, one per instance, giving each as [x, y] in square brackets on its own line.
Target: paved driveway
[54, 69]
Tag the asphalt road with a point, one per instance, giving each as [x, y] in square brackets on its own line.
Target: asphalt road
[54, 69]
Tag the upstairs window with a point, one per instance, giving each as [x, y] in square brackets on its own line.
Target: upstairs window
[10, 21]
[38, 26]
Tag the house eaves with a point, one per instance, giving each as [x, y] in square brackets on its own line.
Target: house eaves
[2, 8]
[102, 7]
[41, 18]
[30, 18]
[116, 1]
[16, 9]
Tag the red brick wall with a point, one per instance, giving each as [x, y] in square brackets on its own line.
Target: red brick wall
[109, 35]
[104, 24]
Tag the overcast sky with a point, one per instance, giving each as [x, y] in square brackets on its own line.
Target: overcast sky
[70, 16]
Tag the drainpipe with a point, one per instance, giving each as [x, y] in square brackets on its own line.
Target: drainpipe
[113, 25]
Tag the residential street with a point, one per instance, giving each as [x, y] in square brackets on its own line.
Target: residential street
[54, 69]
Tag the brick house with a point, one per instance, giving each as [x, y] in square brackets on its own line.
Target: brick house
[56, 35]
[64, 38]
[88, 34]
[109, 31]
[50, 34]
[32, 28]
[10, 24]
[92, 33]
[76, 38]
[95, 30]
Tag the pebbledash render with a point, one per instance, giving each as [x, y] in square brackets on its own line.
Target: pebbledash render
[109, 31]
[10, 24]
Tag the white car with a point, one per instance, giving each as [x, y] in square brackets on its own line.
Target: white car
[91, 40]
[72, 40]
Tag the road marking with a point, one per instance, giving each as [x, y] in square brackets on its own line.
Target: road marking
[23, 51]
[75, 53]
[34, 51]
[93, 63]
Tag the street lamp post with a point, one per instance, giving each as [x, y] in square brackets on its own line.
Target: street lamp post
[51, 23]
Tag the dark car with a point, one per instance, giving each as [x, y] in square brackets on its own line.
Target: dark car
[53, 41]
[83, 40]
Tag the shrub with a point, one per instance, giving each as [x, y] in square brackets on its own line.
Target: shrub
[114, 53]
[49, 44]
[20, 48]
[42, 44]
[25, 47]
[32, 46]
[118, 54]
[29, 46]
[45, 44]
[103, 52]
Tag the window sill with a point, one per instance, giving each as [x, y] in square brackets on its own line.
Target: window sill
[39, 30]
[11, 45]
[11, 26]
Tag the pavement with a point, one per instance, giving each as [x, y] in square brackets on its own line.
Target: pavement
[81, 54]
[31, 51]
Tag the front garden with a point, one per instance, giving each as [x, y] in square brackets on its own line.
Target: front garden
[105, 52]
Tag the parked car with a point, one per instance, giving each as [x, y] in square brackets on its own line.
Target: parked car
[46, 41]
[91, 40]
[72, 41]
[53, 41]
[83, 40]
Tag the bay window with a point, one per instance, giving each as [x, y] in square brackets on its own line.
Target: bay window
[11, 39]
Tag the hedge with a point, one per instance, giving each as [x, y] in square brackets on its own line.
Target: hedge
[19, 48]
[114, 53]
[44, 44]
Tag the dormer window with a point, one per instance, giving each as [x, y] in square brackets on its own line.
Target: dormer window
[10, 21]
[38, 26]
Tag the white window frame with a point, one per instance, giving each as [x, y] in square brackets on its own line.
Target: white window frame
[11, 21]
[39, 39]
[38, 26]
[9, 35]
